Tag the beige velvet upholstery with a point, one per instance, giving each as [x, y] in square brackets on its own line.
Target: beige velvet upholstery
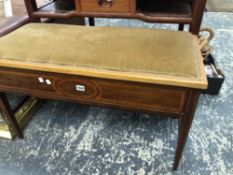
[147, 52]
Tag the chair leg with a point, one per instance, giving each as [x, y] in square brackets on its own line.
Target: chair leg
[9, 115]
[91, 21]
[198, 8]
[181, 27]
[185, 125]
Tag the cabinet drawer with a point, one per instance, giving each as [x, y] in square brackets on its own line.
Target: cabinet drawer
[138, 96]
[106, 92]
[112, 6]
[26, 81]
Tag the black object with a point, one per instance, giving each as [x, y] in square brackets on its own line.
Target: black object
[215, 80]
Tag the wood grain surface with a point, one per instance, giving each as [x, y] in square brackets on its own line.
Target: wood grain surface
[97, 91]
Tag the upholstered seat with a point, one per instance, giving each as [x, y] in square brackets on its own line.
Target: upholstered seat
[143, 55]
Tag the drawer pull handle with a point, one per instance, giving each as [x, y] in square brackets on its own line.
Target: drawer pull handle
[105, 3]
[48, 82]
[80, 88]
[41, 80]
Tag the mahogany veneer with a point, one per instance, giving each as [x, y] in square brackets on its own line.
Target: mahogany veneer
[116, 93]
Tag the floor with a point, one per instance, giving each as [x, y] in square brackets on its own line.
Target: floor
[2, 13]
[69, 139]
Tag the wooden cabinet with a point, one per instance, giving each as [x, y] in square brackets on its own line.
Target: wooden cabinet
[164, 11]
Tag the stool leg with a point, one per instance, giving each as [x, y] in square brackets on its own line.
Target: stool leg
[185, 125]
[9, 115]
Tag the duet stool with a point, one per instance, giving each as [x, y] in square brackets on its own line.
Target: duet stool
[148, 70]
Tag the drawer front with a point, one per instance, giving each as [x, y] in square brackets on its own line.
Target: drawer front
[112, 6]
[127, 95]
[130, 95]
[26, 81]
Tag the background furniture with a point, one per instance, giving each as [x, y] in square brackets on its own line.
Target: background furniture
[6, 26]
[166, 11]
[27, 105]
[13, 8]
[23, 111]
[10, 24]
[7, 7]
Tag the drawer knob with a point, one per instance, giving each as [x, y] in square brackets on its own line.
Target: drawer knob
[41, 80]
[105, 3]
[48, 82]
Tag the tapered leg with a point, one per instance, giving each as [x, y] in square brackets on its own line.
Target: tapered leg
[198, 9]
[185, 125]
[9, 115]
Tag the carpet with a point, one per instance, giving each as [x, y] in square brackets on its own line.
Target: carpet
[219, 5]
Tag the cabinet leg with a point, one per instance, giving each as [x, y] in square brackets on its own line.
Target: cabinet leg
[9, 115]
[91, 21]
[185, 125]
